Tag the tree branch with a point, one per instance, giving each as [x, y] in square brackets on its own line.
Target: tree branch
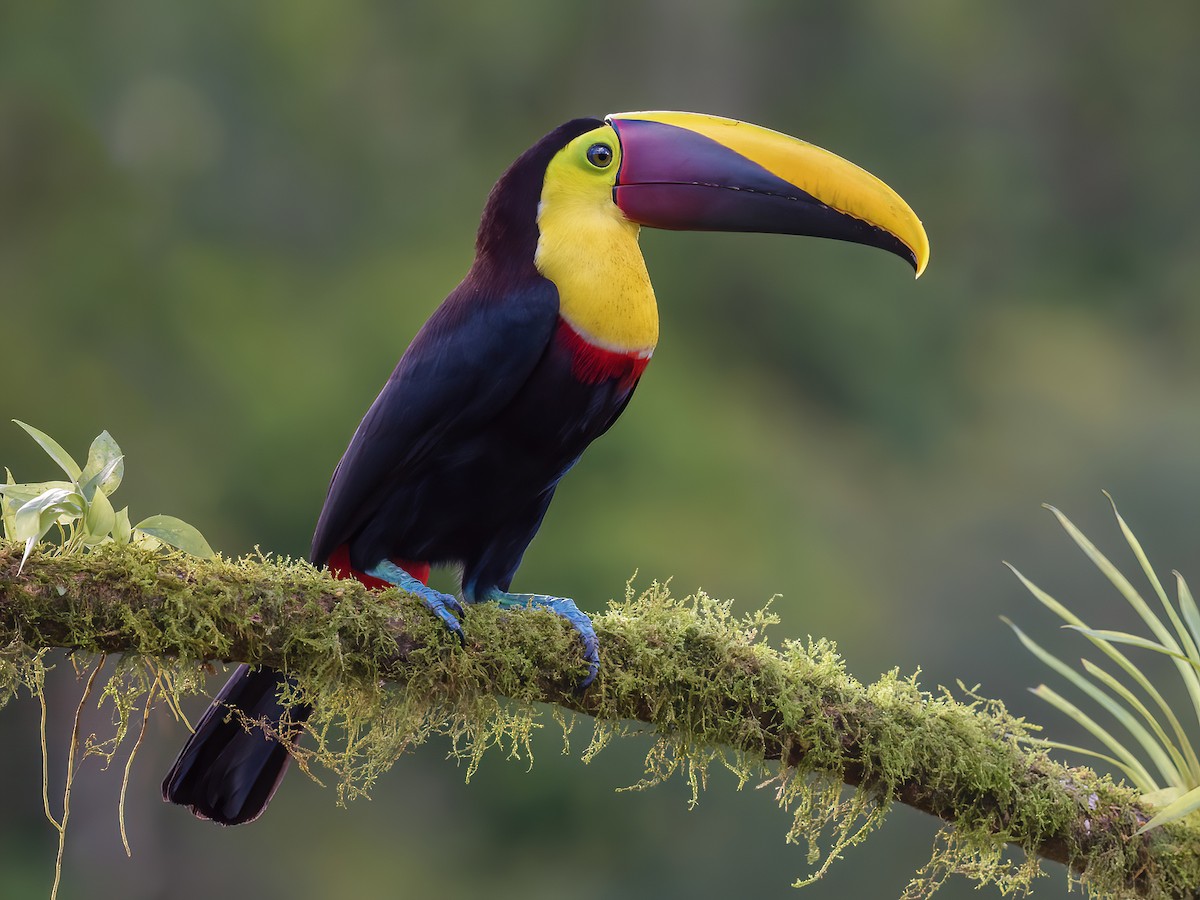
[700, 677]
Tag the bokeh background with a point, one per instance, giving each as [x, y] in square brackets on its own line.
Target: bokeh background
[220, 224]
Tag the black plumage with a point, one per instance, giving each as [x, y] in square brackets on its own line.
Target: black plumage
[455, 462]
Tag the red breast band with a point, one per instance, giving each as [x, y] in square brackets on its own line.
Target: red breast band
[592, 365]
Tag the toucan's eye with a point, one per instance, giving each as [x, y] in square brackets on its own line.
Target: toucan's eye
[600, 155]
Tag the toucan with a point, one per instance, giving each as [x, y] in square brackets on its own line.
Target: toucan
[528, 360]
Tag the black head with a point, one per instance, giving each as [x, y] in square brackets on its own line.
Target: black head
[508, 231]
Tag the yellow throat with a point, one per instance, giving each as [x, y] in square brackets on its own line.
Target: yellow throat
[589, 250]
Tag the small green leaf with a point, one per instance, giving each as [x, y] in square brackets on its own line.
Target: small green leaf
[99, 520]
[122, 531]
[103, 481]
[177, 533]
[105, 466]
[54, 449]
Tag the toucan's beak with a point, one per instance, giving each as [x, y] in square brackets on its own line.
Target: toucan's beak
[703, 173]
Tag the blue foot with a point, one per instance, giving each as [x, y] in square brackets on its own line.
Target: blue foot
[560, 606]
[444, 606]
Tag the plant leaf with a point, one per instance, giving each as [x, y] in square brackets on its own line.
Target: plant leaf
[23, 493]
[30, 543]
[1133, 640]
[1148, 686]
[1045, 599]
[1186, 804]
[1133, 726]
[99, 519]
[1119, 581]
[122, 531]
[54, 449]
[1151, 576]
[1114, 654]
[13, 496]
[105, 466]
[1187, 605]
[177, 533]
[1190, 677]
[35, 517]
[7, 507]
[1135, 769]
[1184, 777]
[1163, 796]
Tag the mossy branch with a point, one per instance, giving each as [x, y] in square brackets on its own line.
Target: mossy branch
[708, 684]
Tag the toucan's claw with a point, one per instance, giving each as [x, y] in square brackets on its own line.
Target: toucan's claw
[566, 608]
[450, 603]
[441, 605]
[444, 606]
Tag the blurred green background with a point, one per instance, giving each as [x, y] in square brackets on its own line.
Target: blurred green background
[220, 224]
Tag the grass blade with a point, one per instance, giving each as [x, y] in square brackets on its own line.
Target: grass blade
[1141, 777]
[1190, 677]
[1153, 749]
[1180, 769]
[1116, 657]
[1124, 662]
[1046, 600]
[1135, 545]
[1187, 605]
[1132, 640]
[1119, 581]
[1146, 685]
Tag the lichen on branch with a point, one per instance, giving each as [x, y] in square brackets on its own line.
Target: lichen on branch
[384, 675]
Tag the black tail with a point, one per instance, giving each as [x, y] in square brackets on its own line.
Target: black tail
[224, 772]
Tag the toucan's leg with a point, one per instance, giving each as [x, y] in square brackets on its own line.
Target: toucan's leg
[560, 606]
[444, 606]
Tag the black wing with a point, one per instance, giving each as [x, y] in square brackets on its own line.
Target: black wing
[463, 367]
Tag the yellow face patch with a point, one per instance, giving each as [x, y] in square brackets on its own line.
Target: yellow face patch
[590, 250]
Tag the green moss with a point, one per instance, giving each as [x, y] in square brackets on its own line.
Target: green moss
[384, 676]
